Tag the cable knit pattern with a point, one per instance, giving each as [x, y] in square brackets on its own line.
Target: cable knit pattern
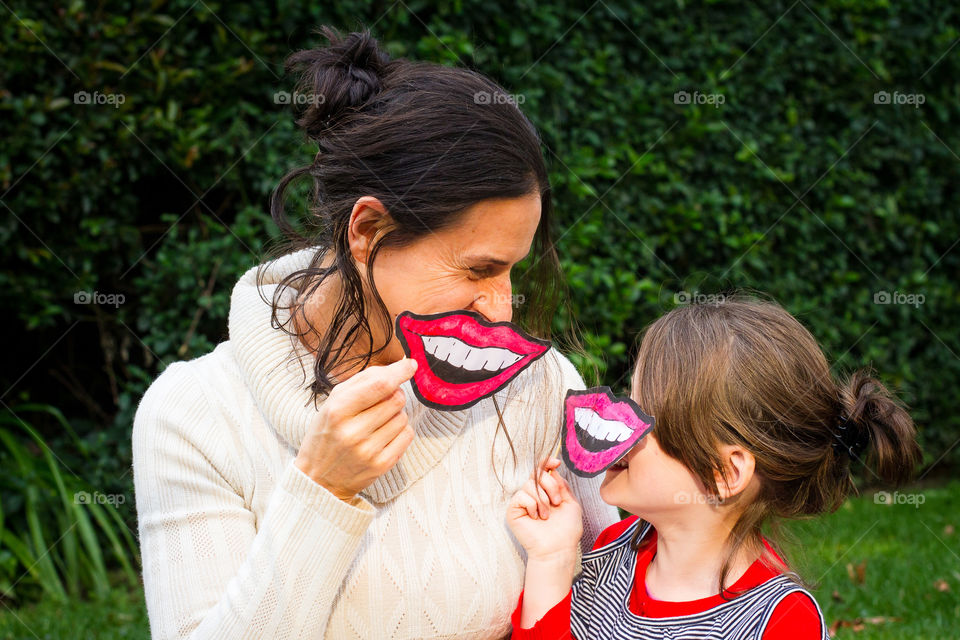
[238, 543]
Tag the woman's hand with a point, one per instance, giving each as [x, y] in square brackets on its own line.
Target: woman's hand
[545, 518]
[360, 432]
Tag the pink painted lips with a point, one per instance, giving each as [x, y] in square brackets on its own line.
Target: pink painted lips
[463, 358]
[599, 428]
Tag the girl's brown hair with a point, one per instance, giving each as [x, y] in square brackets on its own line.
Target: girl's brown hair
[745, 372]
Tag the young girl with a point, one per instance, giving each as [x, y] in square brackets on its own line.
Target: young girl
[750, 425]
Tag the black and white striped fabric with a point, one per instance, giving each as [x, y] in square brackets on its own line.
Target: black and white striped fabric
[601, 596]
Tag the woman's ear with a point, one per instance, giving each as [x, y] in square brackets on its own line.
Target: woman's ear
[739, 465]
[368, 220]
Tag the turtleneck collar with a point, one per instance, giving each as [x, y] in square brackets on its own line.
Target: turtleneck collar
[270, 360]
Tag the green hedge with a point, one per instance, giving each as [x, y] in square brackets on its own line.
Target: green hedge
[162, 199]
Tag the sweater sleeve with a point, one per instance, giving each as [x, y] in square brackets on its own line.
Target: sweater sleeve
[210, 569]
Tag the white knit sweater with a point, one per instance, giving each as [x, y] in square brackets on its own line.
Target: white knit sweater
[237, 542]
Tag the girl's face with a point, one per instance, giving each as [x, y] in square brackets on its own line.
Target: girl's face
[649, 483]
[464, 266]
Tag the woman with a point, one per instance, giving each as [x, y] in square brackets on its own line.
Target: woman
[289, 484]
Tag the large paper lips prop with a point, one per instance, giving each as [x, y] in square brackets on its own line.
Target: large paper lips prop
[599, 428]
[462, 358]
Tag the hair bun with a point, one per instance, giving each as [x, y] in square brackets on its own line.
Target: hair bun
[879, 418]
[337, 80]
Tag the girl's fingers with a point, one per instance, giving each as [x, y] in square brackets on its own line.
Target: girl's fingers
[549, 464]
[525, 501]
[566, 493]
[550, 483]
[543, 502]
[536, 492]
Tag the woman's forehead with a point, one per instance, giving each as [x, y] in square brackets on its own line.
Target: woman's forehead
[496, 231]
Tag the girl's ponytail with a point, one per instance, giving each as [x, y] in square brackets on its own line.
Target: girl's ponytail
[879, 427]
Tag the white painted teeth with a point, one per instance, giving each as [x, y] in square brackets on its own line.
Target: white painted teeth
[460, 354]
[609, 430]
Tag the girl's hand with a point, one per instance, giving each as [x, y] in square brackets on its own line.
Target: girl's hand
[545, 518]
[360, 431]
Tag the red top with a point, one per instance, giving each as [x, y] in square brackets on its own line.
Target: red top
[795, 618]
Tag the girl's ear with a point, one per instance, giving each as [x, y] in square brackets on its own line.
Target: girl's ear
[738, 464]
[368, 220]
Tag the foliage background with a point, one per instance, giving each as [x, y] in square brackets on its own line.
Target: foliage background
[800, 184]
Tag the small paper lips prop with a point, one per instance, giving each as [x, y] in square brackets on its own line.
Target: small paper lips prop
[462, 358]
[599, 429]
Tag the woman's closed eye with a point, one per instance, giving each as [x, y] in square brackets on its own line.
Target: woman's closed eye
[479, 273]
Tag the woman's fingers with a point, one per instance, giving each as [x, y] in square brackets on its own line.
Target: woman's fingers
[374, 418]
[371, 386]
[381, 439]
[394, 449]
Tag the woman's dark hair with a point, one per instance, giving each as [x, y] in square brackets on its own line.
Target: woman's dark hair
[427, 141]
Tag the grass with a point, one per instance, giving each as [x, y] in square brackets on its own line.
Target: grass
[886, 567]
[121, 614]
[882, 571]
[53, 527]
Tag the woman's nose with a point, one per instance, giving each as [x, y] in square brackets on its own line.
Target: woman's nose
[495, 301]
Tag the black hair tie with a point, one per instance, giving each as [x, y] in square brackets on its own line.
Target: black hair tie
[850, 440]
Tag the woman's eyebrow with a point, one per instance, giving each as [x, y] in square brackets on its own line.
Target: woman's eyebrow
[493, 260]
[487, 259]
